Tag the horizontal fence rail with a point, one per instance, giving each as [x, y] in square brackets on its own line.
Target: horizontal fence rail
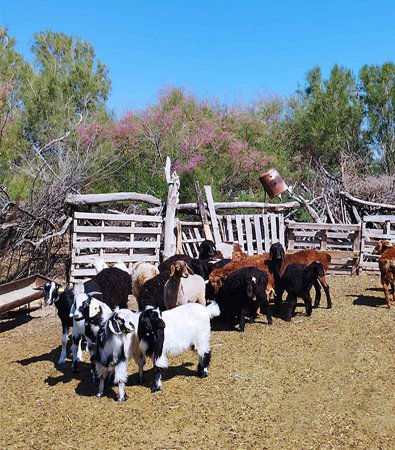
[113, 237]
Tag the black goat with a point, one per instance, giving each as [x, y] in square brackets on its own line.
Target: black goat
[242, 294]
[298, 280]
[152, 292]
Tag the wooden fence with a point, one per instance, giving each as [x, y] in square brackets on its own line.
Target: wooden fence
[254, 232]
[113, 237]
[341, 241]
[373, 229]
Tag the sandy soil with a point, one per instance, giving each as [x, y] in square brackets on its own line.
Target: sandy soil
[320, 382]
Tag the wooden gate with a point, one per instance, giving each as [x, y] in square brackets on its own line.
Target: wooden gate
[114, 237]
[341, 241]
[375, 228]
[254, 232]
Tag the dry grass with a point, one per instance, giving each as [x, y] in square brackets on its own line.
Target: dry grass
[321, 382]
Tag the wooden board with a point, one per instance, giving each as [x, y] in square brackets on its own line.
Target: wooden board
[20, 292]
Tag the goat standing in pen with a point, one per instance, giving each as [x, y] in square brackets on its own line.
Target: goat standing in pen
[298, 280]
[113, 344]
[171, 333]
[279, 261]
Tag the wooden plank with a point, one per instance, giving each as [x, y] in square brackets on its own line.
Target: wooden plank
[239, 226]
[117, 217]
[249, 236]
[379, 218]
[258, 233]
[117, 230]
[114, 257]
[229, 229]
[203, 213]
[273, 229]
[120, 244]
[322, 226]
[281, 229]
[266, 232]
[324, 240]
[186, 245]
[213, 214]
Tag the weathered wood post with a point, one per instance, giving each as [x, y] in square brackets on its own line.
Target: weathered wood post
[173, 181]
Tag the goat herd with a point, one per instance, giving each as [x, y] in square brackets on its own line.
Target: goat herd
[177, 300]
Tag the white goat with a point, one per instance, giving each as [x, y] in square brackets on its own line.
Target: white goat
[171, 333]
[141, 272]
[183, 286]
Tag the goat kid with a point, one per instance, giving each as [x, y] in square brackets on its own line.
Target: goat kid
[94, 313]
[112, 349]
[298, 280]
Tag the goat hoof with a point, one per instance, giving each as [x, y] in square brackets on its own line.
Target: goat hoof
[122, 399]
[99, 395]
[203, 374]
[155, 389]
[329, 307]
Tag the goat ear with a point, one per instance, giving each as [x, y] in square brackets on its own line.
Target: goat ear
[72, 310]
[172, 270]
[114, 325]
[189, 270]
[161, 324]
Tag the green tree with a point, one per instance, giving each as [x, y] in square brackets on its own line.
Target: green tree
[66, 82]
[328, 116]
[12, 70]
[378, 84]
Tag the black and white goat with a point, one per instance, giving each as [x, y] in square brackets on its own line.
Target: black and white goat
[112, 349]
[171, 333]
[63, 300]
[87, 319]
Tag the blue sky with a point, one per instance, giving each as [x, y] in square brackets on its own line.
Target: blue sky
[232, 50]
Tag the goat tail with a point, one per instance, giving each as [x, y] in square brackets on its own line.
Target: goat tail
[213, 310]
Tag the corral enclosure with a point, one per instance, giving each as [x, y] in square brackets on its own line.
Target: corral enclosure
[319, 382]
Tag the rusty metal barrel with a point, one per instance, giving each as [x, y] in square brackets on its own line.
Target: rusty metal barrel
[273, 183]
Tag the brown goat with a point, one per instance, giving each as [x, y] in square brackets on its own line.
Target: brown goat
[279, 262]
[382, 246]
[240, 260]
[387, 269]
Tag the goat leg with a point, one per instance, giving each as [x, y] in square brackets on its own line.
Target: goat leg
[325, 286]
[291, 302]
[317, 288]
[121, 392]
[307, 304]
[386, 293]
[65, 338]
[204, 362]
[157, 385]
[100, 392]
[77, 353]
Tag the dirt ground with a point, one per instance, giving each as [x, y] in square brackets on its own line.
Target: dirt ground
[320, 382]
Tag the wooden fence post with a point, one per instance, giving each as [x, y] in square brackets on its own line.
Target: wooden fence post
[173, 181]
